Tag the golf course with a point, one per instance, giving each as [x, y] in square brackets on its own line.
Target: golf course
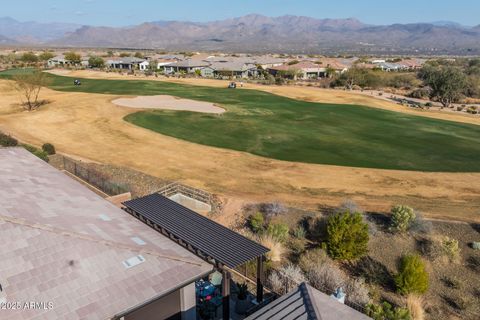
[281, 128]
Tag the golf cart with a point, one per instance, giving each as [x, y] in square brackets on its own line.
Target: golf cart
[77, 82]
[232, 85]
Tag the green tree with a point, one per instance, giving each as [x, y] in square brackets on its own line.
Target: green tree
[412, 276]
[278, 231]
[96, 62]
[402, 217]
[347, 236]
[447, 83]
[45, 56]
[385, 311]
[256, 222]
[72, 57]
[29, 57]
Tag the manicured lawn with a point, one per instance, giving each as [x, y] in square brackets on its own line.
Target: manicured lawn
[277, 127]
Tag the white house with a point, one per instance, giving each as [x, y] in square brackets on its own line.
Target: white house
[143, 66]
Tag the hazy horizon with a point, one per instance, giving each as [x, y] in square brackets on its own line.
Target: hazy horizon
[120, 13]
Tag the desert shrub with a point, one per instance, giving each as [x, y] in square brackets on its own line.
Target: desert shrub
[357, 292]
[476, 245]
[293, 273]
[272, 209]
[402, 217]
[326, 277]
[347, 236]
[7, 141]
[412, 276]
[256, 222]
[276, 248]
[49, 148]
[421, 93]
[450, 249]
[275, 283]
[420, 225]
[415, 307]
[297, 246]
[350, 206]
[278, 231]
[39, 153]
[312, 259]
[299, 232]
[386, 311]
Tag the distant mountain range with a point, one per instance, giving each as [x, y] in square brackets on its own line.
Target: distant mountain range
[255, 33]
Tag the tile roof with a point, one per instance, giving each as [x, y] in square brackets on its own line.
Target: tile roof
[299, 66]
[61, 243]
[306, 303]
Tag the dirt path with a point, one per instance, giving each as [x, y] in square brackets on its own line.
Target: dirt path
[91, 127]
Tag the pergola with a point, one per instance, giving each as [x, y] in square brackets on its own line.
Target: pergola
[211, 241]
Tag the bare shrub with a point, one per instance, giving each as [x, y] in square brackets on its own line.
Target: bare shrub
[275, 283]
[357, 292]
[272, 209]
[312, 259]
[350, 206]
[276, 248]
[286, 278]
[326, 277]
[293, 273]
[415, 307]
[420, 225]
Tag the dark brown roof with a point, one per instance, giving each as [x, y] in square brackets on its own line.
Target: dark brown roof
[220, 243]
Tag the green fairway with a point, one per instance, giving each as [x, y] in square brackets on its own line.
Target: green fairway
[277, 127]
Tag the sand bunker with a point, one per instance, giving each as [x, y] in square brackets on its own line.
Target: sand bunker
[168, 103]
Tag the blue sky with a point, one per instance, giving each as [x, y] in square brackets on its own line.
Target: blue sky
[129, 12]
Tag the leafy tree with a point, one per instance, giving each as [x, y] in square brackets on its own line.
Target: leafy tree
[139, 55]
[412, 277]
[385, 311]
[29, 57]
[45, 56]
[96, 62]
[29, 85]
[72, 57]
[278, 231]
[49, 148]
[402, 218]
[447, 83]
[256, 222]
[347, 236]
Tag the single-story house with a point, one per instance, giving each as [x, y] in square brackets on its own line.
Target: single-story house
[307, 303]
[128, 63]
[143, 66]
[186, 66]
[267, 62]
[303, 70]
[60, 61]
[231, 69]
[67, 253]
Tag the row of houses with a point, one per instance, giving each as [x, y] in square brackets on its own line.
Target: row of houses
[220, 66]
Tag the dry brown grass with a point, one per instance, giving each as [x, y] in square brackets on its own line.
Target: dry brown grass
[89, 126]
[277, 250]
[415, 306]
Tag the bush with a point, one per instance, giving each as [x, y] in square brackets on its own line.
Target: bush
[385, 311]
[402, 218]
[326, 277]
[256, 222]
[451, 249]
[7, 141]
[49, 148]
[412, 277]
[285, 278]
[278, 231]
[276, 248]
[420, 225]
[297, 246]
[312, 259]
[299, 232]
[39, 153]
[272, 209]
[347, 236]
[357, 292]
